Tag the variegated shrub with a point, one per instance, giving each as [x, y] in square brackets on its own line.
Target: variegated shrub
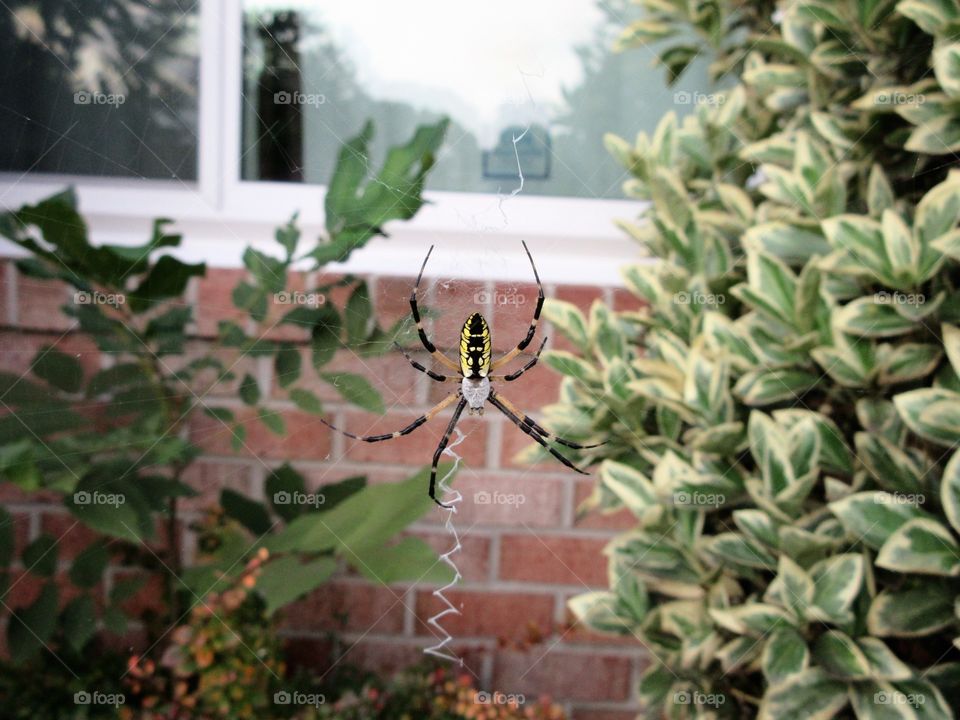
[783, 415]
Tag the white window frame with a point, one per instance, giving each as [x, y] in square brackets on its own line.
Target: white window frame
[574, 239]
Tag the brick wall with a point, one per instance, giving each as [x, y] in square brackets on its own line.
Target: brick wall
[519, 563]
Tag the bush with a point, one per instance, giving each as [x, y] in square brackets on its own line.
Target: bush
[783, 413]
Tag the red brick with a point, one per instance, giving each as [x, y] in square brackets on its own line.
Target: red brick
[588, 714]
[563, 675]
[538, 501]
[23, 590]
[418, 447]
[151, 598]
[40, 304]
[337, 296]
[209, 478]
[573, 633]
[270, 328]
[382, 657]
[341, 607]
[392, 299]
[453, 302]
[21, 532]
[215, 299]
[514, 441]
[306, 437]
[553, 559]
[513, 306]
[626, 301]
[622, 519]
[7, 285]
[390, 375]
[488, 613]
[473, 558]
[134, 641]
[72, 536]
[10, 493]
[20, 349]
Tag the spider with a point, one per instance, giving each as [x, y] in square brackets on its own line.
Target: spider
[475, 389]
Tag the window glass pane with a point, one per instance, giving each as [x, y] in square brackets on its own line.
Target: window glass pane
[537, 71]
[99, 87]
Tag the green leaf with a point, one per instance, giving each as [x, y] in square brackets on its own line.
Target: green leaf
[249, 390]
[911, 612]
[30, 628]
[59, 369]
[839, 655]
[409, 560]
[865, 317]
[87, 568]
[568, 319]
[281, 488]
[931, 413]
[357, 390]
[785, 653]
[286, 364]
[306, 401]
[168, 278]
[807, 695]
[837, 581]
[249, 513]
[921, 545]
[40, 556]
[269, 273]
[111, 503]
[286, 579]
[79, 621]
[872, 517]
[357, 314]
[273, 421]
[635, 491]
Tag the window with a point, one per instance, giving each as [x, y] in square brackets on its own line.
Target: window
[530, 87]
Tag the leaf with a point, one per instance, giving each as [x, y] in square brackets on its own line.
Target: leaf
[635, 491]
[286, 365]
[269, 273]
[357, 390]
[840, 656]
[568, 319]
[168, 278]
[409, 560]
[40, 556]
[273, 421]
[921, 545]
[108, 501]
[930, 413]
[31, 628]
[59, 369]
[357, 314]
[249, 390]
[872, 517]
[807, 695]
[87, 568]
[911, 612]
[785, 653]
[306, 401]
[286, 579]
[281, 487]
[249, 513]
[836, 581]
[79, 621]
[756, 619]
[865, 317]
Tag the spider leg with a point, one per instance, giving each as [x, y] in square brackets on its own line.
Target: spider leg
[408, 429]
[495, 400]
[434, 375]
[521, 346]
[531, 423]
[443, 446]
[514, 375]
[415, 311]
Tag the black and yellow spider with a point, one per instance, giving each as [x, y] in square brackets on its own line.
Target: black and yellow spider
[474, 375]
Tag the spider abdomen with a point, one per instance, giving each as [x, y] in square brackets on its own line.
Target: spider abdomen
[475, 347]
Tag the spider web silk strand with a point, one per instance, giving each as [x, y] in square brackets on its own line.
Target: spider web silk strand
[439, 650]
